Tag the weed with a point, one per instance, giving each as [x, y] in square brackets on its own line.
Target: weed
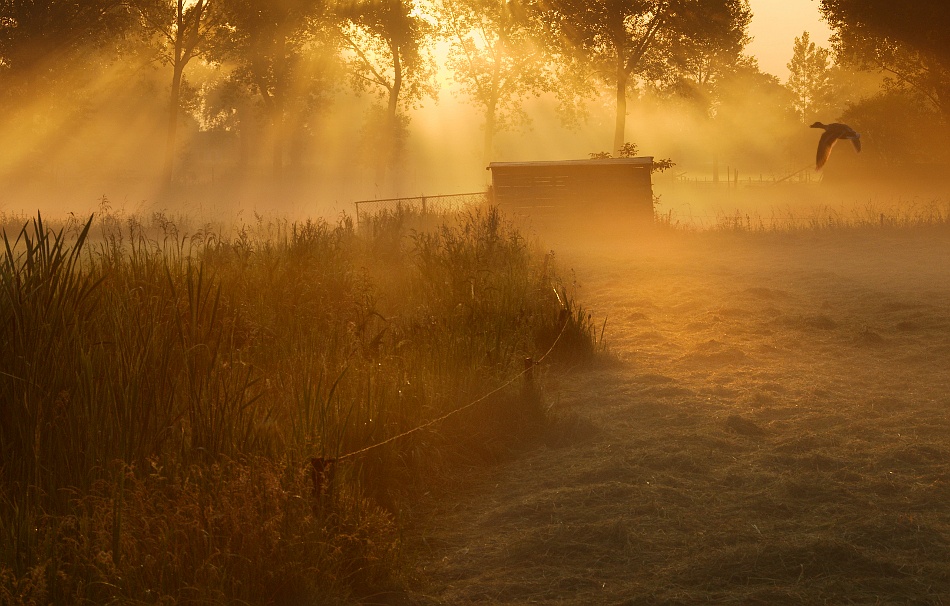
[164, 390]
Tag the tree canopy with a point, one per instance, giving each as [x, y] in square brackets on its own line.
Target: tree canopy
[908, 42]
[497, 57]
[809, 78]
[58, 39]
[708, 47]
[261, 81]
[385, 53]
[623, 43]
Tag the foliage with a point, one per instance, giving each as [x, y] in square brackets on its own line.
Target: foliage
[622, 43]
[708, 47]
[904, 128]
[182, 32]
[911, 45]
[617, 42]
[282, 52]
[630, 150]
[748, 92]
[164, 392]
[245, 82]
[497, 58]
[50, 39]
[386, 52]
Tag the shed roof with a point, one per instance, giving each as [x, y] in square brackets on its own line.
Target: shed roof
[639, 161]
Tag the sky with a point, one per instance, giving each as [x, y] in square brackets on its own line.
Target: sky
[776, 24]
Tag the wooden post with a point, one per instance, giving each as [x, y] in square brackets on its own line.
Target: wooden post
[321, 474]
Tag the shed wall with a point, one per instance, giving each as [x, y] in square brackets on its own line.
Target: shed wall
[593, 187]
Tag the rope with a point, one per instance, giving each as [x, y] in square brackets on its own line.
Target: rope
[431, 422]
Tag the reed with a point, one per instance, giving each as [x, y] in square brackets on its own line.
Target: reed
[164, 389]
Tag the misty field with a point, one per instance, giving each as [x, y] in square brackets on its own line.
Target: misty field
[771, 426]
[751, 413]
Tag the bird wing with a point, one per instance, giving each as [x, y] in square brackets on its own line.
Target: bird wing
[827, 141]
[857, 143]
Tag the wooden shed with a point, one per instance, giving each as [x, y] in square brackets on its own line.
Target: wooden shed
[593, 188]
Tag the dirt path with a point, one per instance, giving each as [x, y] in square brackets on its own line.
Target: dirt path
[773, 426]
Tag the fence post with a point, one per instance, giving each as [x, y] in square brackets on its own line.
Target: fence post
[530, 393]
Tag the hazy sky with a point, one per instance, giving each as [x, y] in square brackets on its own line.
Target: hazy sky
[775, 25]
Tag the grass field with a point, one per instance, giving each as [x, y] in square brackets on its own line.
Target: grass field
[751, 413]
[771, 426]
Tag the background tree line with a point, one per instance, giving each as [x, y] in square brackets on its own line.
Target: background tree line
[257, 76]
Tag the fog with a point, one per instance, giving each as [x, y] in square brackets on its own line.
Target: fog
[104, 141]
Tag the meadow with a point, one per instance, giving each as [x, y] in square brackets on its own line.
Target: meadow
[770, 425]
[752, 410]
[210, 414]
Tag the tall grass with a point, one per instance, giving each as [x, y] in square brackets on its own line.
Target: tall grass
[926, 216]
[163, 392]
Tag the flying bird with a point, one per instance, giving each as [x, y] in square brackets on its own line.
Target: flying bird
[832, 133]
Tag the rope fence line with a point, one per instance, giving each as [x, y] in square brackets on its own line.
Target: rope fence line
[322, 466]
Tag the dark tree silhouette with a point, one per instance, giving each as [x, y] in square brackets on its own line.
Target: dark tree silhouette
[623, 43]
[910, 42]
[708, 46]
[41, 42]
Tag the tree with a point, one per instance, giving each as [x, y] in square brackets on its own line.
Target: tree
[618, 41]
[183, 31]
[497, 59]
[384, 46]
[908, 43]
[905, 129]
[55, 62]
[748, 102]
[50, 53]
[51, 39]
[708, 46]
[810, 78]
[284, 51]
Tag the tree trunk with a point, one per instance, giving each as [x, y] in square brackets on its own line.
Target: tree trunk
[387, 164]
[621, 122]
[277, 124]
[489, 130]
[171, 139]
[175, 98]
[491, 113]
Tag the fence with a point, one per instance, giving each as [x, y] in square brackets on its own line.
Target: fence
[422, 204]
[733, 179]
